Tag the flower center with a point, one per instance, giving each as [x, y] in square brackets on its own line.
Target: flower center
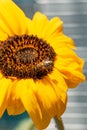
[26, 57]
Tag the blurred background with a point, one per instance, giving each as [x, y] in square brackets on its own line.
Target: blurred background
[74, 15]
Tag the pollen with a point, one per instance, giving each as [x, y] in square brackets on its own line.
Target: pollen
[26, 57]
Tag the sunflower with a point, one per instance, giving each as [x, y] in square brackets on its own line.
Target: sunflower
[37, 65]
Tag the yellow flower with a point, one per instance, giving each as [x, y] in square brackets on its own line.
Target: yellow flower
[37, 65]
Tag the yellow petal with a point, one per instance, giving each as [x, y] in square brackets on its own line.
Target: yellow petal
[44, 28]
[61, 87]
[25, 90]
[3, 36]
[46, 96]
[66, 52]
[51, 97]
[1, 75]
[12, 19]
[53, 26]
[36, 26]
[58, 40]
[5, 86]
[71, 66]
[15, 106]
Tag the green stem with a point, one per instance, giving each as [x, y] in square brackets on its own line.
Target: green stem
[59, 123]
